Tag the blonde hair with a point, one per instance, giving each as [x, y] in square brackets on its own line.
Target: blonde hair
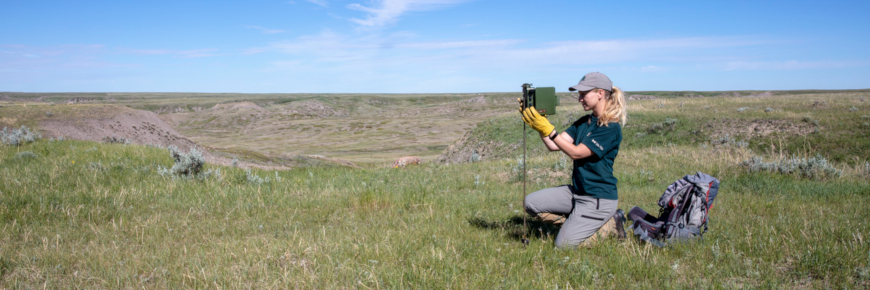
[614, 108]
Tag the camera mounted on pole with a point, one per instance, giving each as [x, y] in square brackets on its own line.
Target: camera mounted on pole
[544, 99]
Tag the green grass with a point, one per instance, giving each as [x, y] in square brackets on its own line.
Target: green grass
[67, 224]
[795, 127]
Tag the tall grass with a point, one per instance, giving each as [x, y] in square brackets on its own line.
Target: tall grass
[67, 224]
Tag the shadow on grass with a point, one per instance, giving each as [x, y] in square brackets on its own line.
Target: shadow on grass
[513, 227]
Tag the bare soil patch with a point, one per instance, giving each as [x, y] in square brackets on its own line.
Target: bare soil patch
[140, 127]
[238, 106]
[312, 109]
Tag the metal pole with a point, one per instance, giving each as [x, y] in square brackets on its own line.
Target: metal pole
[525, 239]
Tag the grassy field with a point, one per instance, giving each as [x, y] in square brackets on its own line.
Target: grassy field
[77, 214]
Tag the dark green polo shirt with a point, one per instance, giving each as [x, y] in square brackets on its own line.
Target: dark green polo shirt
[593, 176]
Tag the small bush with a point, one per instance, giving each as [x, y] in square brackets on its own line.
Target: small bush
[853, 109]
[667, 125]
[562, 164]
[656, 128]
[769, 110]
[474, 156]
[639, 135]
[815, 168]
[116, 140]
[235, 162]
[26, 155]
[477, 181]
[742, 109]
[187, 165]
[726, 142]
[19, 136]
[517, 169]
[255, 179]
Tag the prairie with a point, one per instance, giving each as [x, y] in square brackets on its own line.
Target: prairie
[85, 214]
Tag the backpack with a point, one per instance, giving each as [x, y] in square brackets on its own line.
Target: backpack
[683, 214]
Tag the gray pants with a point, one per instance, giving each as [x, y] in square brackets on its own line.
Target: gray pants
[585, 214]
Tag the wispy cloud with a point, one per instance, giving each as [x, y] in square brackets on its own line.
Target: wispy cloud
[265, 30]
[361, 60]
[385, 12]
[787, 65]
[192, 53]
[322, 3]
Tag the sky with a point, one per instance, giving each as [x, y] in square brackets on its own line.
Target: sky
[430, 46]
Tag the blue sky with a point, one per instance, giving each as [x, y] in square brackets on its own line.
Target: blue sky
[430, 46]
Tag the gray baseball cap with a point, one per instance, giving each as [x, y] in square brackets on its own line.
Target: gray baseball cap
[593, 80]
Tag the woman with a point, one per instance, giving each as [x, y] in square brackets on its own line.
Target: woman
[593, 143]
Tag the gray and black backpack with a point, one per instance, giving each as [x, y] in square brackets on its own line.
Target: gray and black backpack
[683, 215]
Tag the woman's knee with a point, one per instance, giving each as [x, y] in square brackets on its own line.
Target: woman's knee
[528, 206]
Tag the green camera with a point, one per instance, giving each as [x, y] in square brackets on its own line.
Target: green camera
[544, 99]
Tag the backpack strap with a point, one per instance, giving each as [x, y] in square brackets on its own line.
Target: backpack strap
[676, 212]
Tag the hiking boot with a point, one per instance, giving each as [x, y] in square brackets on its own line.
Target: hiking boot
[551, 218]
[619, 218]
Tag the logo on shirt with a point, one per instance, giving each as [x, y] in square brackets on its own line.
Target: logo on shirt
[587, 134]
[596, 144]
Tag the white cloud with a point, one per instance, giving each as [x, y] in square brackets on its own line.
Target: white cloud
[388, 11]
[265, 30]
[787, 65]
[322, 3]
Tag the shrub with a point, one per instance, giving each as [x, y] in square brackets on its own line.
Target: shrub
[517, 169]
[852, 109]
[19, 136]
[768, 110]
[477, 181]
[656, 128]
[116, 140]
[667, 125]
[187, 165]
[235, 162]
[562, 164]
[743, 109]
[255, 179]
[726, 141]
[815, 168]
[474, 156]
[639, 135]
[25, 155]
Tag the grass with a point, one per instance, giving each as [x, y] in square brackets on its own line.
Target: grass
[77, 214]
[66, 224]
[795, 127]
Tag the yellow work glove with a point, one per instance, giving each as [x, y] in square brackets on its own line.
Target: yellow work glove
[537, 122]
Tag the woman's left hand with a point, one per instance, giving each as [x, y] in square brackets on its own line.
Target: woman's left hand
[537, 122]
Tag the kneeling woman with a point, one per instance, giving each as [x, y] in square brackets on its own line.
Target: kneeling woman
[593, 143]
